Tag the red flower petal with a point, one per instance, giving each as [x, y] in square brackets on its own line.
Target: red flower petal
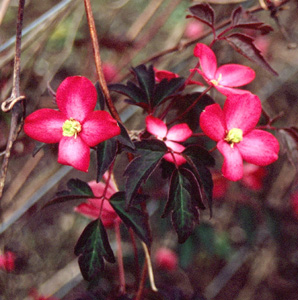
[98, 127]
[156, 127]
[179, 159]
[259, 147]
[175, 146]
[212, 122]
[76, 97]
[242, 111]
[179, 133]
[98, 188]
[45, 125]
[163, 74]
[207, 60]
[232, 167]
[233, 75]
[227, 91]
[74, 152]
[88, 210]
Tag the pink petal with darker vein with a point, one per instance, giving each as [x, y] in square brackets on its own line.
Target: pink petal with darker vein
[74, 152]
[76, 97]
[212, 122]
[259, 147]
[179, 133]
[232, 167]
[156, 127]
[98, 127]
[233, 75]
[45, 125]
[242, 111]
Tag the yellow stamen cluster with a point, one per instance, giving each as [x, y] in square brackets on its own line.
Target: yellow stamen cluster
[235, 135]
[216, 81]
[71, 127]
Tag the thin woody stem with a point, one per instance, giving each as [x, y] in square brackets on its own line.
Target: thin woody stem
[16, 98]
[140, 291]
[150, 270]
[95, 44]
[120, 259]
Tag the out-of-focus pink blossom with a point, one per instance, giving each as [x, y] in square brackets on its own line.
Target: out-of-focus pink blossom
[294, 203]
[220, 185]
[237, 140]
[166, 259]
[224, 78]
[193, 29]
[110, 72]
[7, 261]
[36, 296]
[93, 208]
[177, 133]
[253, 176]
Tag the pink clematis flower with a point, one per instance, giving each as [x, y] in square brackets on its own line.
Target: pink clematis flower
[93, 208]
[76, 127]
[224, 78]
[253, 176]
[166, 259]
[237, 140]
[7, 261]
[178, 133]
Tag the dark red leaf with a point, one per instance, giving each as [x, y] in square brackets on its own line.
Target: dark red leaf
[244, 45]
[204, 13]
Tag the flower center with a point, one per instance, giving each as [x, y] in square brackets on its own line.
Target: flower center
[71, 127]
[235, 135]
[216, 81]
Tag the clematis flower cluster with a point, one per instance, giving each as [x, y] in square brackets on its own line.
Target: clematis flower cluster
[94, 208]
[76, 126]
[224, 78]
[233, 128]
[172, 138]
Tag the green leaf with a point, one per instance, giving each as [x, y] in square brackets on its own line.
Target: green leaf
[135, 218]
[183, 202]
[139, 169]
[165, 89]
[106, 153]
[79, 187]
[92, 246]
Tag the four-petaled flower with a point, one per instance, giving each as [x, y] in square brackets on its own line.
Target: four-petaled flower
[94, 208]
[177, 133]
[224, 78]
[237, 140]
[76, 127]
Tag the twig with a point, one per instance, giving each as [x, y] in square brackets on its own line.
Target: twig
[120, 259]
[95, 44]
[150, 270]
[16, 100]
